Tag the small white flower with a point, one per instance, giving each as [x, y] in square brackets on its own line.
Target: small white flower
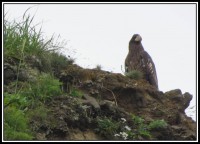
[127, 127]
[123, 120]
[124, 135]
[116, 135]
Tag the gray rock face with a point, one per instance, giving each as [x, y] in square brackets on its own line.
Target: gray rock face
[9, 73]
[182, 100]
[91, 101]
[187, 97]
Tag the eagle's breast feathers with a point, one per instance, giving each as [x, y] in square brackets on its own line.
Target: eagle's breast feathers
[139, 59]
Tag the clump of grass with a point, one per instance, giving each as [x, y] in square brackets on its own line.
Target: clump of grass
[135, 74]
[137, 120]
[23, 40]
[16, 125]
[39, 113]
[32, 93]
[59, 61]
[139, 129]
[44, 88]
[16, 100]
[31, 96]
[142, 128]
[98, 67]
[76, 93]
[157, 124]
[18, 35]
[107, 127]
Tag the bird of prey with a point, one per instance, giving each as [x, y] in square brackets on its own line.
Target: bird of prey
[139, 59]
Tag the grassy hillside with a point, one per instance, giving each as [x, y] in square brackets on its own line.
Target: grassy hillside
[30, 65]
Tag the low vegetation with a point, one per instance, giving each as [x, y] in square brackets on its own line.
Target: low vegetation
[120, 130]
[98, 67]
[157, 124]
[135, 74]
[16, 125]
[76, 93]
[107, 127]
[22, 41]
[25, 47]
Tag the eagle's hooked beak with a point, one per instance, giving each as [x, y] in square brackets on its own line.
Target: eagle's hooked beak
[138, 38]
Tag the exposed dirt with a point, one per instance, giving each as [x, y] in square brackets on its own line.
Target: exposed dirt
[115, 96]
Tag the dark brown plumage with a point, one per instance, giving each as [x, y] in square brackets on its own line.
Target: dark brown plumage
[139, 59]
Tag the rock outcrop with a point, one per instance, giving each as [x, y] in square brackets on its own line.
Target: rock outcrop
[112, 97]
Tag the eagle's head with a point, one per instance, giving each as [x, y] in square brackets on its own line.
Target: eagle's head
[136, 38]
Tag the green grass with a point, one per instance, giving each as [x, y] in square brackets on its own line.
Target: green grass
[40, 113]
[23, 39]
[59, 61]
[23, 44]
[43, 89]
[135, 74]
[76, 93]
[107, 127]
[16, 125]
[142, 128]
[139, 128]
[22, 35]
[31, 97]
[16, 100]
[46, 86]
[137, 120]
[98, 67]
[157, 124]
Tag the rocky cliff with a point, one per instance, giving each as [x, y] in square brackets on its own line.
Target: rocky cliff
[100, 105]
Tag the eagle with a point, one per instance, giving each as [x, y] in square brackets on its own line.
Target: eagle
[138, 59]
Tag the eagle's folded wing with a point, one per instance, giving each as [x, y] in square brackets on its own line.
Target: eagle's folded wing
[148, 65]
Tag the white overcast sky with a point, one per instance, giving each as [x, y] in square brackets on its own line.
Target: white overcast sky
[98, 34]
